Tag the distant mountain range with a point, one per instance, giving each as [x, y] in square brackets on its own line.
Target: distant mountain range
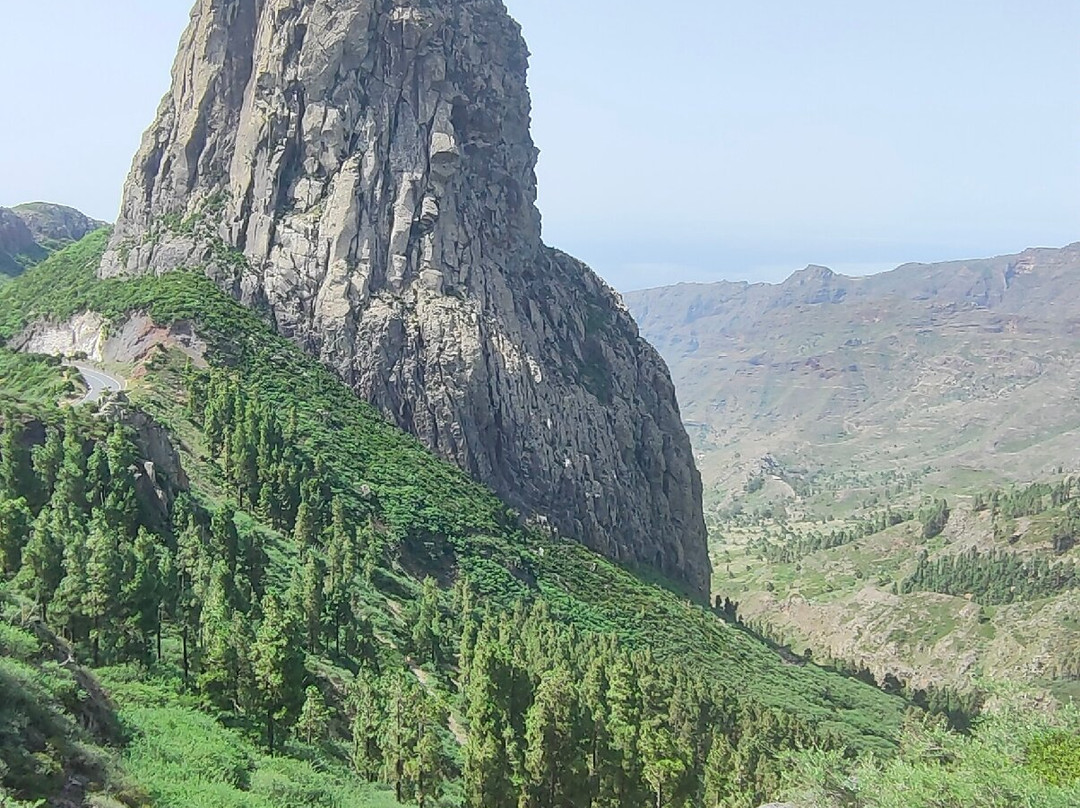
[822, 408]
[30, 232]
[967, 370]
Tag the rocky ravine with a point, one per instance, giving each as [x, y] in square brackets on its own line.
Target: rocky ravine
[363, 170]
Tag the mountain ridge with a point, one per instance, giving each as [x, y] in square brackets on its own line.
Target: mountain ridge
[968, 277]
[827, 412]
[966, 364]
[31, 231]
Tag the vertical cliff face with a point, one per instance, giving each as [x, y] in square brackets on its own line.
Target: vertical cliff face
[363, 170]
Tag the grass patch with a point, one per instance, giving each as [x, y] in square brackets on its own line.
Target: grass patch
[186, 759]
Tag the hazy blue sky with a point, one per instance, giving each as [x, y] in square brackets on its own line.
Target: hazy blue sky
[698, 140]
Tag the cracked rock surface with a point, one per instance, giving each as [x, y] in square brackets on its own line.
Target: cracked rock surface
[363, 170]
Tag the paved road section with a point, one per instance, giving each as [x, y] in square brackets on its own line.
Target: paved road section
[98, 381]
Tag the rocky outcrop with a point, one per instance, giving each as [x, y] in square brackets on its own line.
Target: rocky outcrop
[363, 170]
[17, 245]
[160, 478]
[81, 336]
[89, 335]
[54, 226]
[28, 233]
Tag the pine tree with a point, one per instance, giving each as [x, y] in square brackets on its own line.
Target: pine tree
[219, 679]
[43, 561]
[663, 760]
[425, 768]
[68, 608]
[311, 600]
[73, 474]
[104, 573]
[555, 760]
[245, 470]
[340, 576]
[602, 762]
[225, 542]
[251, 570]
[370, 549]
[47, 460]
[243, 643]
[267, 506]
[719, 786]
[399, 736]
[366, 725]
[15, 527]
[225, 641]
[427, 628]
[190, 563]
[97, 475]
[624, 723]
[15, 470]
[145, 592]
[121, 503]
[488, 767]
[278, 666]
[305, 532]
[314, 722]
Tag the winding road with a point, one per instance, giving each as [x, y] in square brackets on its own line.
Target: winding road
[98, 382]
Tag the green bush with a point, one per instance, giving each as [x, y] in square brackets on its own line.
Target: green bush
[179, 745]
[18, 643]
[938, 768]
[1056, 757]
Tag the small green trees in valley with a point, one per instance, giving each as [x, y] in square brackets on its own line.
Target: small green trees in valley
[934, 519]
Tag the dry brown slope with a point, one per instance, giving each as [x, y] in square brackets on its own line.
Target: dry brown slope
[961, 366]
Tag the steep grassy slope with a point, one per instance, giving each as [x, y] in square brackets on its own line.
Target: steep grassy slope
[143, 744]
[429, 520]
[182, 756]
[1017, 756]
[422, 496]
[33, 381]
[58, 732]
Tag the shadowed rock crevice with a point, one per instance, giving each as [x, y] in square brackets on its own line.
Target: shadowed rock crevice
[364, 170]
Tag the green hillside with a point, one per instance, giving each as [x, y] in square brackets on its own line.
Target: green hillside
[30, 233]
[316, 578]
[954, 594]
[1020, 756]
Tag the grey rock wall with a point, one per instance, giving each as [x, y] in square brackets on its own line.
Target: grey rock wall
[363, 171]
[56, 225]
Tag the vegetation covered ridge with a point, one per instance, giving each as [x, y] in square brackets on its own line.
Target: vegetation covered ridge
[332, 592]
